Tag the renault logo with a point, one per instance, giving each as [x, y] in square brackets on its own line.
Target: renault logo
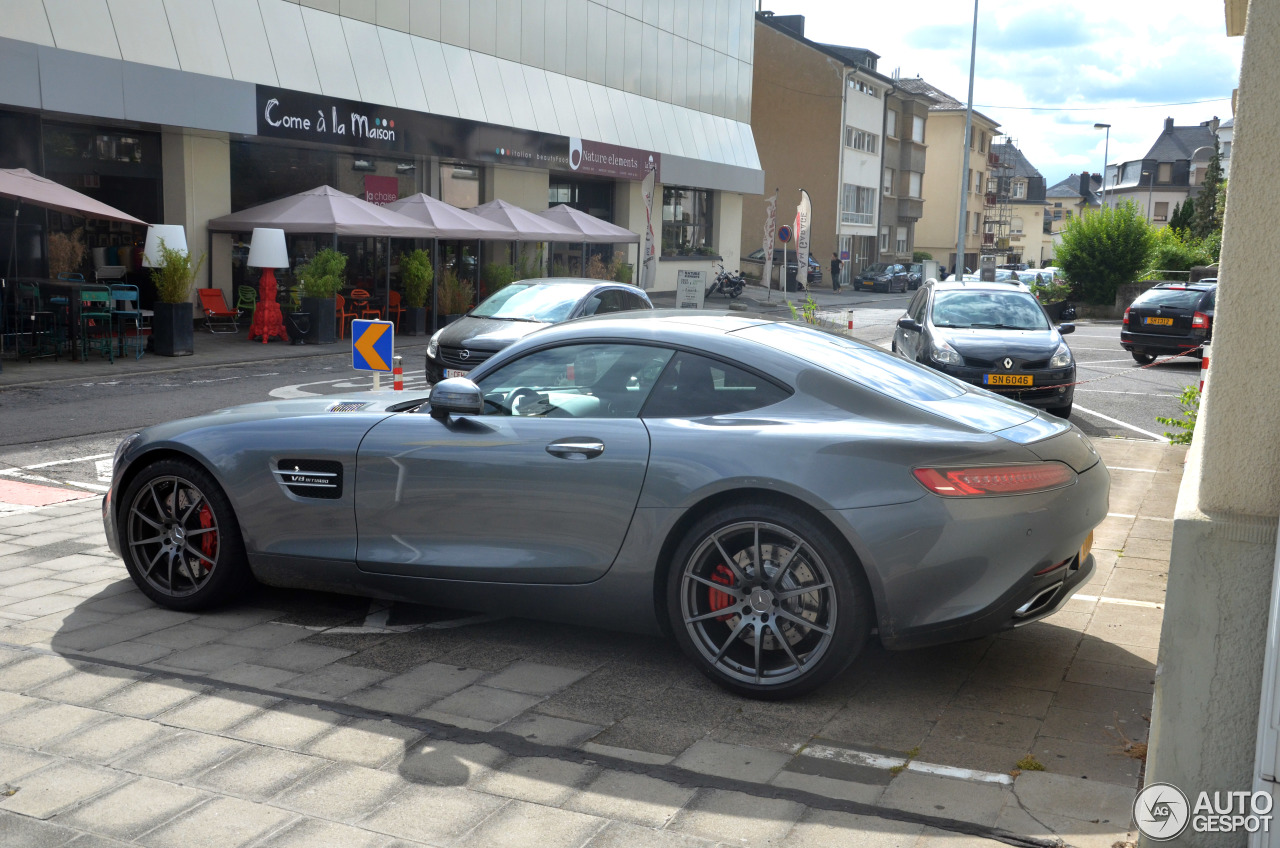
[1008, 363]
[466, 354]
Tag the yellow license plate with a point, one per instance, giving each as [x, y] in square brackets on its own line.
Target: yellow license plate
[1164, 322]
[1006, 379]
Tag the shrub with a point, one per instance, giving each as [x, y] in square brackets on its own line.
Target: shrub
[415, 272]
[498, 277]
[1186, 425]
[456, 295]
[66, 252]
[1173, 251]
[175, 279]
[559, 270]
[324, 275]
[921, 256]
[1104, 249]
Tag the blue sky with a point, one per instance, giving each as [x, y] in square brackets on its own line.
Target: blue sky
[1106, 62]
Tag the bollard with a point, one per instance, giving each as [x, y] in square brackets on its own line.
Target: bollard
[849, 315]
[397, 375]
[1204, 365]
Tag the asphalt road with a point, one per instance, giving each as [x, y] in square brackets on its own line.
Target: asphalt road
[64, 432]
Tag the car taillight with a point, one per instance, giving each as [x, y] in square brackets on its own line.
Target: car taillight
[981, 481]
[1126, 315]
[1199, 321]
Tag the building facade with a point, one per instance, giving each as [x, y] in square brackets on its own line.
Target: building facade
[819, 118]
[902, 186]
[1171, 171]
[1067, 199]
[939, 226]
[1021, 187]
[179, 111]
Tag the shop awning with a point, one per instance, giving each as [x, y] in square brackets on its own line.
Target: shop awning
[526, 225]
[450, 222]
[323, 210]
[591, 229]
[21, 184]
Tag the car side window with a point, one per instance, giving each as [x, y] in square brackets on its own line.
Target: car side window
[631, 301]
[575, 381]
[695, 386]
[915, 305]
[917, 308]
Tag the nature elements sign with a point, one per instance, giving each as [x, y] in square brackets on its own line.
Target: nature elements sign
[299, 116]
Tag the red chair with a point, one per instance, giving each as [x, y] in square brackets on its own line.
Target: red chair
[343, 316]
[361, 304]
[395, 310]
[218, 317]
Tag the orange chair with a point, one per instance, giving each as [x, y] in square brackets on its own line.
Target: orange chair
[360, 302]
[343, 316]
[218, 317]
[395, 311]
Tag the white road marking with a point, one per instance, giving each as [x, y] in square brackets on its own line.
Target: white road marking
[1112, 392]
[1102, 361]
[961, 773]
[298, 390]
[65, 461]
[1144, 518]
[238, 377]
[104, 470]
[93, 487]
[1120, 601]
[1118, 422]
[1143, 470]
[879, 761]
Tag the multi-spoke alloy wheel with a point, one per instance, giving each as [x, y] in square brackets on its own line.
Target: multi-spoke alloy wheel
[179, 536]
[765, 602]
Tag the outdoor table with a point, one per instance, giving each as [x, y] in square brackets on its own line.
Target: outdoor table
[70, 289]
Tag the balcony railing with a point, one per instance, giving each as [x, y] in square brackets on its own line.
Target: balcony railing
[857, 218]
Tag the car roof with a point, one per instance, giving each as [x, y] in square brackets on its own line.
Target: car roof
[568, 281]
[1199, 285]
[998, 285]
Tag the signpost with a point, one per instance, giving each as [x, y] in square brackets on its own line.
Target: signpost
[690, 289]
[373, 347]
[784, 236]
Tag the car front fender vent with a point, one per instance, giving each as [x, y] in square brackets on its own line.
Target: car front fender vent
[350, 405]
[310, 478]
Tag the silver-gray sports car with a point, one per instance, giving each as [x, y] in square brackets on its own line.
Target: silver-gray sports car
[766, 492]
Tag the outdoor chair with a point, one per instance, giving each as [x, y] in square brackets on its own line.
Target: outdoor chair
[341, 315]
[395, 309]
[218, 317]
[36, 325]
[129, 320]
[95, 322]
[247, 299]
[362, 307]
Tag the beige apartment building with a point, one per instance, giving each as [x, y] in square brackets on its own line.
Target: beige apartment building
[938, 227]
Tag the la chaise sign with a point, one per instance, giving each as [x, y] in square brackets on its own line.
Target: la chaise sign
[361, 125]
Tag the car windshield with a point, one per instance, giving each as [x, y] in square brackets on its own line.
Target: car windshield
[988, 310]
[547, 303]
[877, 268]
[867, 366]
[1172, 298]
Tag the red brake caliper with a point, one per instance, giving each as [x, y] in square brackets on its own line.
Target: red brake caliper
[720, 600]
[208, 541]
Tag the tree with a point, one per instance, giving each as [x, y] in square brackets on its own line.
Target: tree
[1183, 217]
[1207, 218]
[1102, 250]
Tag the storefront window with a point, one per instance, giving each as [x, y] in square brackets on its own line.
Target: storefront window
[686, 222]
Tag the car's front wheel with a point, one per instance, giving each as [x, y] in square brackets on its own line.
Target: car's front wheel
[767, 603]
[180, 539]
[1061, 411]
[1143, 358]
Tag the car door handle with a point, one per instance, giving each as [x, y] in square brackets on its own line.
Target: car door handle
[576, 448]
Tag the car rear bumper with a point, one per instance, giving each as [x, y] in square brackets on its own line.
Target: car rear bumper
[1159, 342]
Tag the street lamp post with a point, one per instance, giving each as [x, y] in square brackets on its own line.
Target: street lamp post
[1106, 152]
[968, 144]
[1151, 184]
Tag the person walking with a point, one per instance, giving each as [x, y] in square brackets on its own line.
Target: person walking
[836, 265]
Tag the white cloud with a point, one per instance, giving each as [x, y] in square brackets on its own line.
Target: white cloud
[1104, 61]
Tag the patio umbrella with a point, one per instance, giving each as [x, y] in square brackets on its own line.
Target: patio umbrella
[449, 222]
[592, 229]
[527, 225]
[22, 185]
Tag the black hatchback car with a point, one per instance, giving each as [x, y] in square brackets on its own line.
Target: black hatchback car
[1169, 318]
[513, 312]
[993, 336]
[882, 276]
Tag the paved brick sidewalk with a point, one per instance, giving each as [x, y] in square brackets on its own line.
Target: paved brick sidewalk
[310, 719]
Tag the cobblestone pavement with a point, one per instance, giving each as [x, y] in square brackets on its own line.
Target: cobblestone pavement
[299, 718]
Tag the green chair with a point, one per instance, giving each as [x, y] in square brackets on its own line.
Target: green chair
[36, 324]
[247, 300]
[96, 325]
[131, 329]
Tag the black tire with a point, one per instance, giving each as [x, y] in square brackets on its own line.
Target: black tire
[726, 616]
[1143, 358]
[1060, 411]
[170, 503]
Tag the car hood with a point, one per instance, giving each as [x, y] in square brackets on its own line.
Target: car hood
[487, 333]
[990, 344]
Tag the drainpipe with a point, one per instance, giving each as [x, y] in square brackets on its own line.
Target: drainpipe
[844, 106]
[884, 137]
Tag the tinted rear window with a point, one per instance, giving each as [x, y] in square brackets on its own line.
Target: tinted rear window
[867, 366]
[1172, 298]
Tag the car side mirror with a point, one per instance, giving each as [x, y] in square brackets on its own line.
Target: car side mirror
[1066, 329]
[909, 324]
[455, 396]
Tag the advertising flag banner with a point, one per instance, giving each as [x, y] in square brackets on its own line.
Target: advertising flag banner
[649, 245]
[770, 226]
[803, 213]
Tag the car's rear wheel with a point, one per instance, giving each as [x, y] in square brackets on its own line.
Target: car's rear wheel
[1143, 358]
[767, 603]
[181, 542]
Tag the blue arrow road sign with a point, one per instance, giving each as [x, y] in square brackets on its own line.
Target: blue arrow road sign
[372, 345]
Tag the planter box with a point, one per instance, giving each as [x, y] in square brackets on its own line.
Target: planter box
[323, 320]
[173, 329]
[415, 321]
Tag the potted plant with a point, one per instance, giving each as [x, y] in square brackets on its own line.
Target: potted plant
[498, 276]
[172, 325]
[321, 279]
[415, 273]
[455, 296]
[66, 252]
